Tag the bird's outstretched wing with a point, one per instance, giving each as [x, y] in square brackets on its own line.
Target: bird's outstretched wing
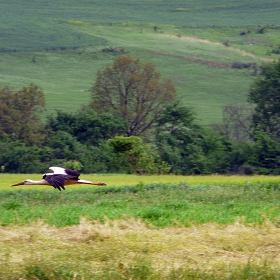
[56, 180]
[59, 176]
[65, 171]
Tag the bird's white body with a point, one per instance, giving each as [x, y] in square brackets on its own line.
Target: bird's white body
[59, 178]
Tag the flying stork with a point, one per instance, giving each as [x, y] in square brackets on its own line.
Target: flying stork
[59, 178]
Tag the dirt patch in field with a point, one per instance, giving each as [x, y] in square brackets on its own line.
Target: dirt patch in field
[194, 59]
[208, 42]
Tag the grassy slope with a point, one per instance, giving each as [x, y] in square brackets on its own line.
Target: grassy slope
[198, 67]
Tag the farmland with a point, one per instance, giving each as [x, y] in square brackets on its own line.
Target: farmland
[197, 45]
[142, 227]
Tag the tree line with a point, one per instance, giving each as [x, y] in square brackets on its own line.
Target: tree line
[134, 123]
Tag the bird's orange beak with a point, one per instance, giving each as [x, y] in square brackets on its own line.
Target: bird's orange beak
[18, 184]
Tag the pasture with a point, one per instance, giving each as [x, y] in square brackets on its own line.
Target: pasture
[196, 44]
[142, 227]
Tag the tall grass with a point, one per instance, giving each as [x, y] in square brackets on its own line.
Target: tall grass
[161, 205]
[127, 249]
[216, 227]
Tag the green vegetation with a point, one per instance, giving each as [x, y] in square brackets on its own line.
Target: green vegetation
[60, 47]
[230, 225]
[137, 127]
[140, 227]
[162, 205]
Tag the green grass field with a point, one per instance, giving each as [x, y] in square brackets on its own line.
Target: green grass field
[142, 227]
[61, 46]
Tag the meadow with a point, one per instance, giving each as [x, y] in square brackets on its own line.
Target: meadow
[142, 227]
[60, 47]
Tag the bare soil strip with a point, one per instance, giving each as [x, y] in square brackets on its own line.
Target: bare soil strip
[208, 42]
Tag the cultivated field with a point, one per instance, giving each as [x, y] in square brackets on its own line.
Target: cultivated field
[61, 46]
[142, 227]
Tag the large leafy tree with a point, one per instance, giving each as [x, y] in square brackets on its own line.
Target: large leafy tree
[86, 125]
[265, 156]
[134, 91]
[177, 138]
[131, 155]
[189, 148]
[20, 114]
[265, 95]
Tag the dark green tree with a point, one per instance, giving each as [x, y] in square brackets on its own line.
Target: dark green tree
[69, 152]
[265, 158]
[176, 138]
[93, 128]
[217, 150]
[16, 157]
[20, 114]
[131, 155]
[265, 95]
[189, 148]
[61, 121]
[134, 91]
[86, 125]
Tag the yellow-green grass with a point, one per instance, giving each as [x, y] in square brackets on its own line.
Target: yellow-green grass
[129, 249]
[112, 180]
[211, 236]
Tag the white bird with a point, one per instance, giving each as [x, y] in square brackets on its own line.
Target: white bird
[59, 178]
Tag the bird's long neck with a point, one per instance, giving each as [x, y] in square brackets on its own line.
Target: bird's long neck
[41, 182]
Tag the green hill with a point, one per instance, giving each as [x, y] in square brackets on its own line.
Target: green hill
[211, 51]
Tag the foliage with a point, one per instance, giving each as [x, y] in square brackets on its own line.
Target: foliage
[86, 43]
[66, 149]
[266, 154]
[92, 128]
[86, 125]
[237, 122]
[217, 150]
[174, 130]
[96, 159]
[134, 91]
[132, 156]
[16, 157]
[60, 149]
[73, 164]
[20, 114]
[189, 148]
[265, 95]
